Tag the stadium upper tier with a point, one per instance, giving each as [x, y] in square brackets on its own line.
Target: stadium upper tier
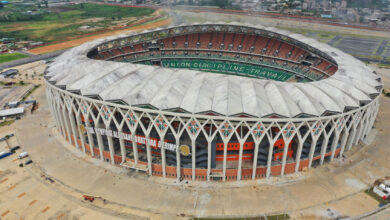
[268, 72]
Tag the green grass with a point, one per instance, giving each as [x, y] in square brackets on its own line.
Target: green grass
[382, 65]
[376, 197]
[63, 23]
[107, 11]
[6, 123]
[7, 57]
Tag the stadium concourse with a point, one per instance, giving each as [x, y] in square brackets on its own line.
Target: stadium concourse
[212, 101]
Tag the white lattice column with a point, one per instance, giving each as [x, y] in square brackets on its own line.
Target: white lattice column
[161, 126]
[323, 148]
[269, 159]
[343, 142]
[358, 127]
[193, 163]
[316, 131]
[298, 154]
[366, 125]
[226, 131]
[132, 123]
[300, 145]
[135, 149]
[311, 153]
[259, 131]
[178, 165]
[149, 155]
[288, 132]
[225, 145]
[284, 158]
[362, 126]
[334, 145]
[209, 138]
[351, 138]
[193, 129]
[163, 157]
[340, 125]
[74, 129]
[110, 146]
[123, 148]
[99, 139]
[209, 142]
[80, 132]
[89, 135]
[239, 173]
[255, 157]
[66, 120]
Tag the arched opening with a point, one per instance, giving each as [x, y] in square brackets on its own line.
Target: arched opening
[115, 140]
[169, 154]
[186, 160]
[317, 150]
[129, 152]
[141, 148]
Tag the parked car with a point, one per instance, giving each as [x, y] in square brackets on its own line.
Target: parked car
[23, 155]
[28, 162]
[14, 149]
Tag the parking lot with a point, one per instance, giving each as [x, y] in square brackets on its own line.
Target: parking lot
[14, 93]
[358, 46]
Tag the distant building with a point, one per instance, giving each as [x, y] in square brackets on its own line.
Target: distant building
[12, 112]
[13, 104]
[343, 4]
[35, 44]
[9, 73]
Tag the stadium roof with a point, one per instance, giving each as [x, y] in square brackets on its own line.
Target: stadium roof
[201, 92]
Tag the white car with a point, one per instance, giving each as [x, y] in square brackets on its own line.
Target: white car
[23, 155]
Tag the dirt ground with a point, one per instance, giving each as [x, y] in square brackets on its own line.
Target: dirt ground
[30, 72]
[28, 196]
[76, 42]
[201, 17]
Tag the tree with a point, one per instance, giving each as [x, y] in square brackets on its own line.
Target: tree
[1, 5]
[22, 83]
[46, 4]
[221, 3]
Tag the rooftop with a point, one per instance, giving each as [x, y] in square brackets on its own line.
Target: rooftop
[183, 90]
[11, 111]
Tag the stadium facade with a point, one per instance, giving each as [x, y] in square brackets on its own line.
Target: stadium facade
[212, 101]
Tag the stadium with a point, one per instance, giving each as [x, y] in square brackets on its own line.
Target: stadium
[212, 102]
